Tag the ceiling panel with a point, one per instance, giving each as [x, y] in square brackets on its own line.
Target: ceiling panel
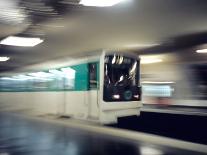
[68, 28]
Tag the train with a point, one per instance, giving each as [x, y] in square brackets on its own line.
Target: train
[99, 88]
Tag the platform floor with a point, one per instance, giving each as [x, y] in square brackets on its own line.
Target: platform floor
[26, 136]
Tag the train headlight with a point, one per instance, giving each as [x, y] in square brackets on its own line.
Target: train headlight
[116, 96]
[136, 96]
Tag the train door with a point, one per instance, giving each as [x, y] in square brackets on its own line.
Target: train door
[92, 94]
[82, 102]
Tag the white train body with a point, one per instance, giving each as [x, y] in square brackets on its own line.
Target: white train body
[84, 89]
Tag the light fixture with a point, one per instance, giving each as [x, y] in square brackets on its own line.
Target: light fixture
[100, 3]
[201, 51]
[150, 59]
[4, 58]
[21, 41]
[135, 45]
[158, 82]
[150, 151]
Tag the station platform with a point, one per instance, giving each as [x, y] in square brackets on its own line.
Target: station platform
[24, 135]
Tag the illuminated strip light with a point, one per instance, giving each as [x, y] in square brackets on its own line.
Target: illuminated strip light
[156, 82]
[150, 151]
[100, 3]
[4, 59]
[21, 41]
[201, 51]
[150, 60]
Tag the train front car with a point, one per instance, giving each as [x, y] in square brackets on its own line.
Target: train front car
[120, 90]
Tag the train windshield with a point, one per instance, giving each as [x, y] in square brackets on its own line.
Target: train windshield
[121, 71]
[121, 77]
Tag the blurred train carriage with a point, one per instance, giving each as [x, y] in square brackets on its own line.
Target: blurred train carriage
[175, 81]
[99, 88]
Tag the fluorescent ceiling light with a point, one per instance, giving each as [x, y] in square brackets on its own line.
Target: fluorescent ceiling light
[150, 59]
[100, 3]
[150, 151]
[141, 45]
[4, 58]
[158, 82]
[21, 41]
[202, 51]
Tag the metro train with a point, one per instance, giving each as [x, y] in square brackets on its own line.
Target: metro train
[98, 88]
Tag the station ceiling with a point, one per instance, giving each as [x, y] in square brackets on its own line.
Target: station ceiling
[69, 28]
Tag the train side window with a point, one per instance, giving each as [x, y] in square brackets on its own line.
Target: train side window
[92, 68]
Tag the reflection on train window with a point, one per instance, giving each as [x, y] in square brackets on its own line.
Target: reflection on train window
[39, 84]
[69, 77]
[92, 75]
[121, 78]
[120, 71]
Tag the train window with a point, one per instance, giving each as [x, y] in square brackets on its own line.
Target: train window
[121, 78]
[157, 90]
[92, 67]
[121, 71]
